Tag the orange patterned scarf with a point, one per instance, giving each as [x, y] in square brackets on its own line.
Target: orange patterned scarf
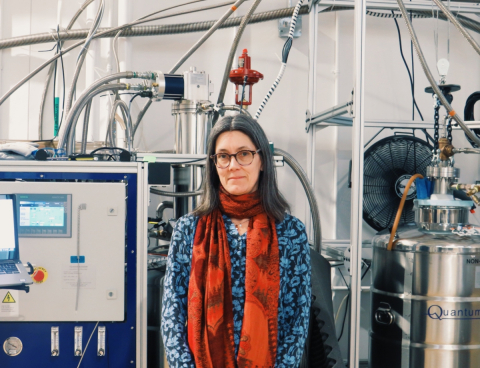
[210, 308]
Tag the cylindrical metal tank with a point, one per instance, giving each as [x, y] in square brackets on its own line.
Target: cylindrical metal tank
[193, 123]
[426, 300]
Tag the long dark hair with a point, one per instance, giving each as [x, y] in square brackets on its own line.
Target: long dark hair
[273, 201]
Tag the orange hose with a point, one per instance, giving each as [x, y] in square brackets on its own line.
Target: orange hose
[400, 209]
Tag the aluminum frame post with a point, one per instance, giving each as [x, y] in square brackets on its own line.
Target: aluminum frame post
[312, 93]
[357, 183]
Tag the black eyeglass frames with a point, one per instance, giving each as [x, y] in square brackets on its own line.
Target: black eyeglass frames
[243, 157]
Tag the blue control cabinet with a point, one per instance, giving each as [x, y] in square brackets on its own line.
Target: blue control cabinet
[121, 338]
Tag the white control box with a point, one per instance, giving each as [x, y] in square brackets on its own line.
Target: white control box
[82, 277]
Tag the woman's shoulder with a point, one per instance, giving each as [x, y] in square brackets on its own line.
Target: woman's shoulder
[186, 224]
[290, 221]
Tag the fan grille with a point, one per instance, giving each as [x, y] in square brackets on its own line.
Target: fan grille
[387, 166]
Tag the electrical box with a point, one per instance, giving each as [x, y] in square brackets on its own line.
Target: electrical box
[82, 226]
[77, 278]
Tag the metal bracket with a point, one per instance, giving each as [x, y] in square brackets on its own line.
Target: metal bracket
[284, 27]
[327, 114]
[311, 3]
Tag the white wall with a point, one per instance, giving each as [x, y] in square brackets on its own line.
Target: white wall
[387, 87]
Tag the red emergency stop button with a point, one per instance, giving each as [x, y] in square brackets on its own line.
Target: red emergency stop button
[39, 275]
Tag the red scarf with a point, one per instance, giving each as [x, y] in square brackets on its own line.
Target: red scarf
[210, 308]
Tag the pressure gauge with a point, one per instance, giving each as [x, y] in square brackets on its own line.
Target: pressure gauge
[12, 346]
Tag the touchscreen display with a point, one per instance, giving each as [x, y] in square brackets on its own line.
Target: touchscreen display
[44, 215]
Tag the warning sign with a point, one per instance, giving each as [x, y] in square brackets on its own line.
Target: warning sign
[8, 298]
[40, 275]
[9, 305]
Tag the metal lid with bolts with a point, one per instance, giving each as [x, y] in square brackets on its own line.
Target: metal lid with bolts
[411, 239]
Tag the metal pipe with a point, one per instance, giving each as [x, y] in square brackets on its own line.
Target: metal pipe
[140, 117]
[78, 107]
[162, 206]
[52, 68]
[466, 150]
[168, 29]
[312, 201]
[18, 42]
[128, 126]
[70, 146]
[356, 230]
[235, 108]
[431, 79]
[86, 117]
[83, 54]
[233, 49]
[205, 37]
[66, 126]
[328, 114]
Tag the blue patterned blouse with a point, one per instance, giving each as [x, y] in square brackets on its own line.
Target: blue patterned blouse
[294, 298]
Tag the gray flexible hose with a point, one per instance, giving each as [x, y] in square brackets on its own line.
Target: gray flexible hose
[140, 116]
[86, 117]
[169, 29]
[109, 137]
[67, 125]
[80, 104]
[175, 194]
[83, 55]
[153, 30]
[431, 79]
[206, 36]
[457, 24]
[52, 68]
[312, 201]
[128, 124]
[195, 47]
[233, 50]
[111, 31]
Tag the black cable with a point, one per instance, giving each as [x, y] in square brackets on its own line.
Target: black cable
[346, 284]
[406, 66]
[344, 318]
[368, 267]
[108, 148]
[348, 298]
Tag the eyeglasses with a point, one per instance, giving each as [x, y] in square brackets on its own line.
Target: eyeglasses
[244, 158]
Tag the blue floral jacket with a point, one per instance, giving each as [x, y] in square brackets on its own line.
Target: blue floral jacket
[294, 298]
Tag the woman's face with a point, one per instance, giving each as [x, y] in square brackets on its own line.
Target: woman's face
[237, 179]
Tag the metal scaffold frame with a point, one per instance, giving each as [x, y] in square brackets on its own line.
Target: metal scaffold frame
[355, 107]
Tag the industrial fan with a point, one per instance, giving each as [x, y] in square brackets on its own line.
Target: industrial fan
[388, 165]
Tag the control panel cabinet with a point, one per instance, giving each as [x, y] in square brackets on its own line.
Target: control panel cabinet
[79, 228]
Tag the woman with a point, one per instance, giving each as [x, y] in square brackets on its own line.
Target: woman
[237, 287]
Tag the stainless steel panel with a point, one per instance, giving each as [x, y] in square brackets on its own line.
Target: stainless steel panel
[193, 123]
[445, 274]
[442, 327]
[442, 358]
[446, 324]
[441, 218]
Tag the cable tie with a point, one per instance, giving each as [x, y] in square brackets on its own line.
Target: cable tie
[128, 86]
[452, 113]
[234, 8]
